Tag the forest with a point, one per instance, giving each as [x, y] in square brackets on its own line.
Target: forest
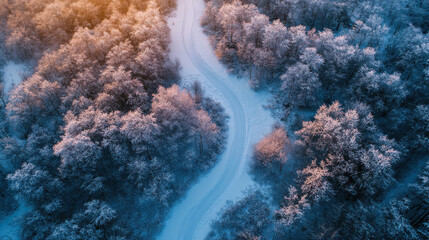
[348, 157]
[99, 140]
[105, 135]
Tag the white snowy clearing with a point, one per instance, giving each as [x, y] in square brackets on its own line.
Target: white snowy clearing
[248, 123]
[13, 73]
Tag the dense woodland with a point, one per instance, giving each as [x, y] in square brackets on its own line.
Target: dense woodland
[99, 141]
[350, 82]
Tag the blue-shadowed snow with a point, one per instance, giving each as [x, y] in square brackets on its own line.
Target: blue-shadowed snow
[190, 218]
[13, 73]
[9, 229]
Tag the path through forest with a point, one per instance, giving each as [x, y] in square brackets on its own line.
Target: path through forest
[248, 123]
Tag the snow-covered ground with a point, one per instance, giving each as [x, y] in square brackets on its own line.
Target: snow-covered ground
[190, 218]
[12, 76]
[8, 225]
[407, 174]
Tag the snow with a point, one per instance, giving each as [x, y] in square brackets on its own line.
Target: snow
[8, 226]
[13, 73]
[249, 121]
[407, 174]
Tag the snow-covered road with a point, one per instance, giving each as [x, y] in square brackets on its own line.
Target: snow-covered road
[190, 218]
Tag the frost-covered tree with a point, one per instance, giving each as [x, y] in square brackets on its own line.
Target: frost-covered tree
[33, 183]
[97, 221]
[409, 51]
[34, 100]
[276, 41]
[247, 219]
[347, 143]
[121, 92]
[382, 92]
[378, 221]
[271, 152]
[369, 33]
[420, 201]
[369, 55]
[301, 85]
[101, 120]
[418, 12]
[181, 123]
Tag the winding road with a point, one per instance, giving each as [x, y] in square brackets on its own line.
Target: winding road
[190, 218]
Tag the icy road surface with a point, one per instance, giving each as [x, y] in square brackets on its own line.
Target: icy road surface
[190, 218]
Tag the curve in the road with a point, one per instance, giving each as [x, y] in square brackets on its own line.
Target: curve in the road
[238, 121]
